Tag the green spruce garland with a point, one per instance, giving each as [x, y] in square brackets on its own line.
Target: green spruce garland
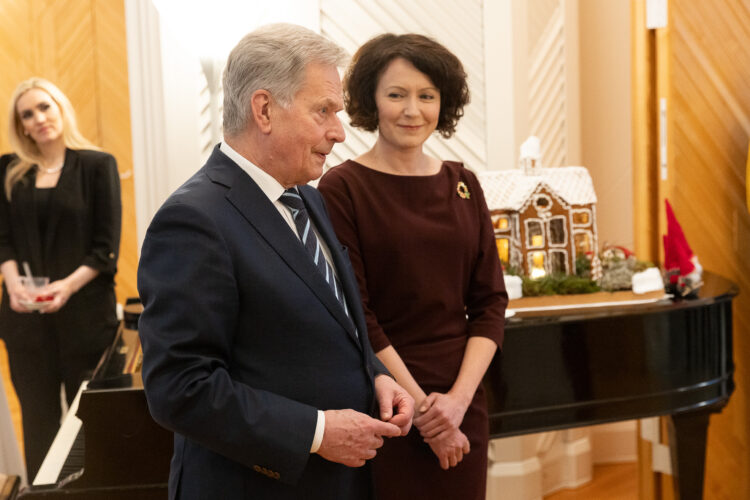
[581, 282]
[557, 284]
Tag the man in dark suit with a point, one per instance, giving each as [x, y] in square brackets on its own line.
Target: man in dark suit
[251, 353]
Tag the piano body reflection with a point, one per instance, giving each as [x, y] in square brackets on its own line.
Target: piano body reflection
[581, 367]
[557, 370]
[108, 445]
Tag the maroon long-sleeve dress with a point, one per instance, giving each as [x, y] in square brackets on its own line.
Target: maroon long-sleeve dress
[430, 278]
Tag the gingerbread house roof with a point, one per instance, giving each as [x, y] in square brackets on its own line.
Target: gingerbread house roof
[511, 189]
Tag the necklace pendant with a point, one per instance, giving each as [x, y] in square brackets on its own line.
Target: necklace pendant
[51, 170]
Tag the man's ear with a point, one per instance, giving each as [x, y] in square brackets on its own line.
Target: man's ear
[260, 107]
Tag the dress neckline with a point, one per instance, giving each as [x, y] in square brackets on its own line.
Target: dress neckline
[400, 176]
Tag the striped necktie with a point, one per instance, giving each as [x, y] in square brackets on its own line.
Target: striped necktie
[293, 201]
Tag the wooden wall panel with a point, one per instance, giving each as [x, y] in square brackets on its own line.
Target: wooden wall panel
[645, 136]
[114, 126]
[703, 70]
[79, 45]
[710, 117]
[607, 115]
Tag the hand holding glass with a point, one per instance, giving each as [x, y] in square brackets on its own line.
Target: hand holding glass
[35, 289]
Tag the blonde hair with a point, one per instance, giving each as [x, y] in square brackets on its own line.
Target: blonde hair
[24, 146]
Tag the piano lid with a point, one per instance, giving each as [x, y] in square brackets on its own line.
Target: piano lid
[589, 366]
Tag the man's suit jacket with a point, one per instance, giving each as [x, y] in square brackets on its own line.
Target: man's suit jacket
[243, 341]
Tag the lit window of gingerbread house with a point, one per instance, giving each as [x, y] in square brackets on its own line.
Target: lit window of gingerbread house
[543, 219]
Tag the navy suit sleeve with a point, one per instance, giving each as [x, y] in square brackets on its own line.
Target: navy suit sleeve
[188, 327]
[378, 366]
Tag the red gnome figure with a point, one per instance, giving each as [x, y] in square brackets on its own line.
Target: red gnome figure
[682, 267]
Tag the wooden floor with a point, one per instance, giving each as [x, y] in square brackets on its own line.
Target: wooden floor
[611, 482]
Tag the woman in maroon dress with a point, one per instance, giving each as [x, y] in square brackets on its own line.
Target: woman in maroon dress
[422, 246]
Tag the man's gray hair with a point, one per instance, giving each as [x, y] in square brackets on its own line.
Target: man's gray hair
[273, 58]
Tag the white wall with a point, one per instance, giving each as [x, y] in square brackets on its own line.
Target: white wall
[490, 38]
[606, 125]
[508, 47]
[168, 89]
[182, 83]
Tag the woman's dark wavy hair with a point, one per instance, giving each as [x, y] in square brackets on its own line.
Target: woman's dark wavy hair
[442, 67]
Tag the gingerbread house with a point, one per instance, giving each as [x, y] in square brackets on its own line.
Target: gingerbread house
[544, 218]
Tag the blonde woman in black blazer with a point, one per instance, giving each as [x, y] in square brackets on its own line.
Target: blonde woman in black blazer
[60, 213]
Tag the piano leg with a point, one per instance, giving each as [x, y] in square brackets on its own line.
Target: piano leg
[687, 438]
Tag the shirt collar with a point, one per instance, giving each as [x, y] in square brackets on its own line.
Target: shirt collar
[270, 186]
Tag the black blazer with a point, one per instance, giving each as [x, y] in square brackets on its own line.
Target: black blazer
[83, 226]
[243, 341]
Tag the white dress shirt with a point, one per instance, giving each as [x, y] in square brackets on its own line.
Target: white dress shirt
[273, 190]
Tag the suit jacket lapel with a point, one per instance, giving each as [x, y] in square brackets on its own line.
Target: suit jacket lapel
[340, 261]
[258, 210]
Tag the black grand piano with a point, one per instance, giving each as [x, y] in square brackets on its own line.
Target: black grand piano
[557, 370]
[108, 446]
[597, 365]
